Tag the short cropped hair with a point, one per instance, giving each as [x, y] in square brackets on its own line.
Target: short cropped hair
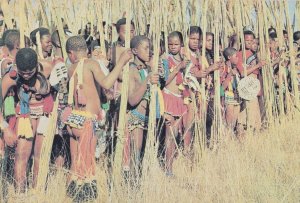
[248, 32]
[122, 21]
[296, 35]
[26, 59]
[76, 43]
[194, 29]
[137, 40]
[11, 39]
[176, 34]
[273, 35]
[228, 52]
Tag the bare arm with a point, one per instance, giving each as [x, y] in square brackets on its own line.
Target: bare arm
[47, 67]
[7, 83]
[251, 69]
[136, 89]
[227, 80]
[174, 73]
[108, 81]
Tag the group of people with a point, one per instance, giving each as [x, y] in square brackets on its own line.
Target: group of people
[86, 84]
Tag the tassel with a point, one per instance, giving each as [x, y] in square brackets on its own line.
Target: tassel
[85, 163]
[48, 104]
[166, 68]
[66, 113]
[43, 125]
[161, 102]
[187, 100]
[181, 87]
[24, 102]
[179, 78]
[24, 128]
[12, 122]
[9, 106]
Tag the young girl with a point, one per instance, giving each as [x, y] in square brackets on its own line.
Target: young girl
[230, 79]
[175, 109]
[140, 79]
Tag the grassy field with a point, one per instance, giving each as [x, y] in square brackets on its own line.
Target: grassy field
[263, 168]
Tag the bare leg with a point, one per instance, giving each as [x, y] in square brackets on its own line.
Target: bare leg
[83, 152]
[2, 147]
[59, 161]
[171, 134]
[22, 155]
[187, 139]
[126, 151]
[137, 141]
[37, 154]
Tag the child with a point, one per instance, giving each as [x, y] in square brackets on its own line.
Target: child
[231, 78]
[12, 43]
[118, 46]
[45, 41]
[140, 79]
[250, 115]
[32, 87]
[84, 117]
[194, 35]
[175, 109]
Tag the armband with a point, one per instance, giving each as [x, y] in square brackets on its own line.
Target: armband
[3, 125]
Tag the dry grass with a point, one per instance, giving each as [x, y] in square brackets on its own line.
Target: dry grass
[264, 168]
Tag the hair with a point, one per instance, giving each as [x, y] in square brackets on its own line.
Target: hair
[76, 43]
[122, 21]
[271, 30]
[6, 32]
[296, 35]
[273, 35]
[210, 34]
[228, 52]
[194, 29]
[284, 32]
[55, 39]
[11, 39]
[248, 32]
[98, 43]
[136, 41]
[176, 34]
[43, 31]
[26, 59]
[162, 42]
[1, 12]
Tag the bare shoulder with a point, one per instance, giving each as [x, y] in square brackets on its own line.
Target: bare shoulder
[5, 63]
[71, 70]
[133, 72]
[8, 80]
[47, 67]
[91, 64]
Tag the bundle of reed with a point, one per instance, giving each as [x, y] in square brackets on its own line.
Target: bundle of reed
[267, 72]
[282, 77]
[203, 80]
[98, 6]
[124, 98]
[217, 118]
[42, 9]
[6, 8]
[60, 29]
[23, 23]
[292, 55]
[151, 146]
[46, 150]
